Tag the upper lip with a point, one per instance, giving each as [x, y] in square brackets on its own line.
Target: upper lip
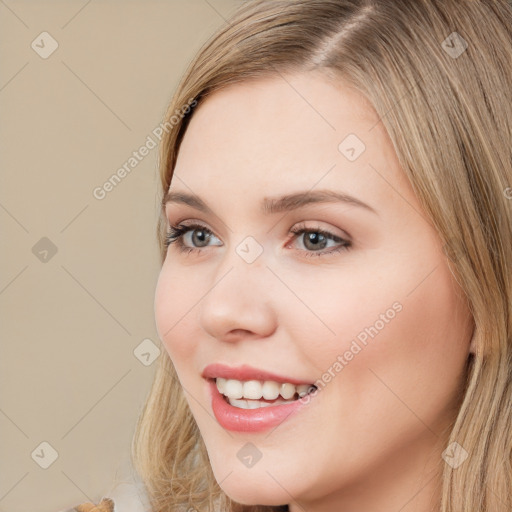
[246, 372]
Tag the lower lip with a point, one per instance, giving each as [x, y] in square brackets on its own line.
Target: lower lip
[250, 420]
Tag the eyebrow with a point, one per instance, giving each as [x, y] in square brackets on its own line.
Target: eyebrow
[279, 204]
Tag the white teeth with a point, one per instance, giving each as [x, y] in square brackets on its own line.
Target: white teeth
[233, 388]
[253, 390]
[248, 404]
[220, 384]
[303, 389]
[270, 390]
[287, 390]
[237, 390]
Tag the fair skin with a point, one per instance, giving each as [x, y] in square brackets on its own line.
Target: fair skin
[371, 439]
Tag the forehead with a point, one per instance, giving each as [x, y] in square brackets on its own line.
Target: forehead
[297, 107]
[285, 132]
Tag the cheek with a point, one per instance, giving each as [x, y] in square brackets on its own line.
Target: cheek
[386, 337]
[340, 312]
[174, 303]
[413, 366]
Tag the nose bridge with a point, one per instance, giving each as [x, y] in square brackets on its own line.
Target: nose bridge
[238, 298]
[244, 267]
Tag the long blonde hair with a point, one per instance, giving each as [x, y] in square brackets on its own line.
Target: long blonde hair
[439, 75]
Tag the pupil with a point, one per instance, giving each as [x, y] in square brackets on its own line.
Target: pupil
[202, 237]
[316, 239]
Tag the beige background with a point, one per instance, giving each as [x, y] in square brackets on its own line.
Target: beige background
[71, 321]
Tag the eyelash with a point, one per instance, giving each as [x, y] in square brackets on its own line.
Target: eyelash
[175, 235]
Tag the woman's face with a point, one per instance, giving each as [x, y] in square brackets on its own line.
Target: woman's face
[354, 296]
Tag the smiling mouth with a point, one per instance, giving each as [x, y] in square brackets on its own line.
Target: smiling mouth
[253, 394]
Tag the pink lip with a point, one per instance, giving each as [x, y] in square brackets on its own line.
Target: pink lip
[249, 420]
[245, 372]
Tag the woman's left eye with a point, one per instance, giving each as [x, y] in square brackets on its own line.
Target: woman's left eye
[315, 240]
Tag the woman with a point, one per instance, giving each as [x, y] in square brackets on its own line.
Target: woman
[336, 242]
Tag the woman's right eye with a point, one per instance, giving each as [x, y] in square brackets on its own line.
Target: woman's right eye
[199, 235]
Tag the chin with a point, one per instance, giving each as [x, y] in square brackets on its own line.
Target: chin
[250, 487]
[254, 493]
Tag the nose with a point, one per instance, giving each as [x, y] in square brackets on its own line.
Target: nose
[238, 304]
